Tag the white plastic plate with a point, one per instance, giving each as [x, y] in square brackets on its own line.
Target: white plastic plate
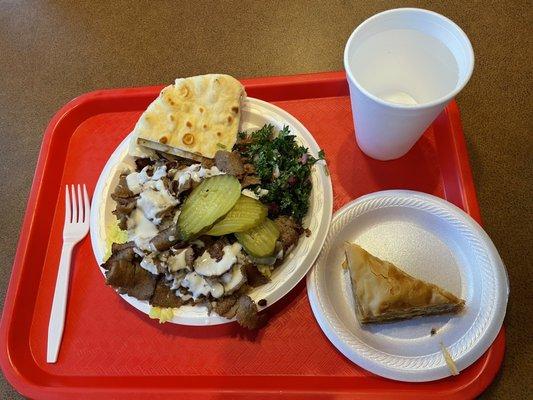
[431, 239]
[256, 113]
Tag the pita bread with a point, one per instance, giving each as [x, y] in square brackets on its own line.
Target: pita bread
[383, 292]
[197, 116]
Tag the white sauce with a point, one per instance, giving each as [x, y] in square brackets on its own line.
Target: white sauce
[177, 279]
[208, 266]
[143, 175]
[141, 230]
[261, 192]
[154, 199]
[148, 264]
[217, 290]
[177, 262]
[233, 279]
[255, 194]
[195, 173]
[249, 193]
[134, 183]
[183, 296]
[169, 277]
[159, 172]
[199, 286]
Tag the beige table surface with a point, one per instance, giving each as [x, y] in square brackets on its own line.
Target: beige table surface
[52, 51]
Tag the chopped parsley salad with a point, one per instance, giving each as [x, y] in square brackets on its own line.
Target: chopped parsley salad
[284, 168]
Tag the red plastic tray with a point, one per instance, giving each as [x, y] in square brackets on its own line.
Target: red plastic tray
[110, 350]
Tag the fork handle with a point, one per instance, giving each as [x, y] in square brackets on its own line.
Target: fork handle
[59, 304]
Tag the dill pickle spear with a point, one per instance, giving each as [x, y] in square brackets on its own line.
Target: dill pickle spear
[245, 214]
[260, 241]
[209, 201]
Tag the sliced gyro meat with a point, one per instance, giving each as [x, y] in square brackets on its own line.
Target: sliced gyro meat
[122, 190]
[141, 163]
[290, 231]
[229, 162]
[247, 314]
[216, 248]
[250, 180]
[129, 278]
[254, 277]
[123, 251]
[164, 297]
[165, 239]
[226, 306]
[125, 202]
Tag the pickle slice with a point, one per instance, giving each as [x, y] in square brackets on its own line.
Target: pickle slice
[261, 240]
[209, 201]
[245, 214]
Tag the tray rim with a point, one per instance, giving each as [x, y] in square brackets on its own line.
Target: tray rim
[317, 85]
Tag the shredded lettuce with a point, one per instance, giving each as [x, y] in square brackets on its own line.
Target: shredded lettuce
[162, 314]
[114, 235]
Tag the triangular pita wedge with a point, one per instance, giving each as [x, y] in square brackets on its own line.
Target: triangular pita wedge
[383, 292]
[193, 118]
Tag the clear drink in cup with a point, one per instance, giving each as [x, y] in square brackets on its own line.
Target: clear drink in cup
[403, 66]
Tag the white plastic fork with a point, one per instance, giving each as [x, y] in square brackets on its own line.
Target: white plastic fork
[76, 227]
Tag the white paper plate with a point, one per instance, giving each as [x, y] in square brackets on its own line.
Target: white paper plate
[256, 113]
[430, 239]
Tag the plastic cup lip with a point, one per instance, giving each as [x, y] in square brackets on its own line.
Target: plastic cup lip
[441, 100]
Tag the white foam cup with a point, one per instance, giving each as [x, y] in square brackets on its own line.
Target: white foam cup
[403, 67]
